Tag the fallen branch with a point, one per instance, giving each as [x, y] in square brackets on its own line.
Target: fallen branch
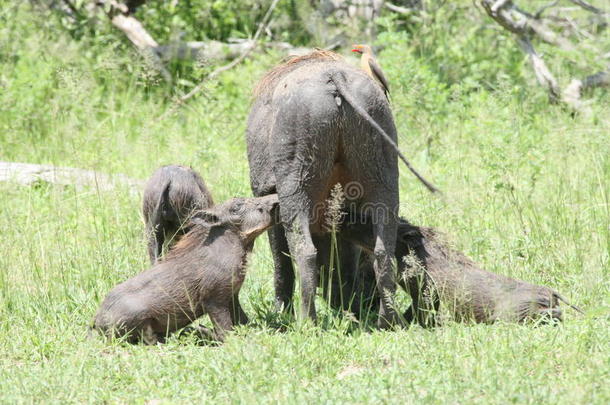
[121, 18]
[548, 36]
[199, 50]
[517, 23]
[135, 32]
[262, 25]
[398, 9]
[584, 5]
[577, 87]
[524, 26]
[599, 79]
[542, 72]
[498, 5]
[211, 50]
[121, 15]
[505, 13]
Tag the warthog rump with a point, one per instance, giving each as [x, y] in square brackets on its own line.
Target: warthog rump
[317, 121]
[171, 196]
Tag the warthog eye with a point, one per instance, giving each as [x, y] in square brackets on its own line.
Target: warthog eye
[236, 208]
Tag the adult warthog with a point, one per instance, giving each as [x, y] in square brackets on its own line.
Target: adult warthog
[317, 121]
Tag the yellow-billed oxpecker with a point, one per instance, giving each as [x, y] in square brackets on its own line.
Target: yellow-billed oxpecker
[370, 66]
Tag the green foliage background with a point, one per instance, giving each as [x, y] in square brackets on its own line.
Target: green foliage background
[527, 195]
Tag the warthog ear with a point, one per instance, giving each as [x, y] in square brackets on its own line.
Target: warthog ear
[403, 237]
[209, 217]
[411, 237]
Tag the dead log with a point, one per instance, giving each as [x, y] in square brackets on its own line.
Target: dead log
[28, 174]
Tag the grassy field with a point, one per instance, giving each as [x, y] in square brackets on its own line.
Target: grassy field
[527, 195]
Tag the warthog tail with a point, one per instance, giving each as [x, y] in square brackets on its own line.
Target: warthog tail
[163, 201]
[340, 82]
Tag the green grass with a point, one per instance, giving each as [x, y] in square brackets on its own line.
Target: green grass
[527, 195]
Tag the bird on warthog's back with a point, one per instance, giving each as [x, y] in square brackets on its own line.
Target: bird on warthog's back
[369, 64]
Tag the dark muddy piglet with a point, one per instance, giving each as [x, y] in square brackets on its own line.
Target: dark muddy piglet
[201, 274]
[435, 274]
[171, 196]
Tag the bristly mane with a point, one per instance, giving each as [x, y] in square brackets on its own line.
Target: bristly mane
[197, 234]
[267, 84]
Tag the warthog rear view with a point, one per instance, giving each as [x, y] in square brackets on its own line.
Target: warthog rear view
[171, 196]
[318, 121]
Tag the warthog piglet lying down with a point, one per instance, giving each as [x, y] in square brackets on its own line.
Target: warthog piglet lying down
[435, 274]
[201, 274]
[171, 196]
